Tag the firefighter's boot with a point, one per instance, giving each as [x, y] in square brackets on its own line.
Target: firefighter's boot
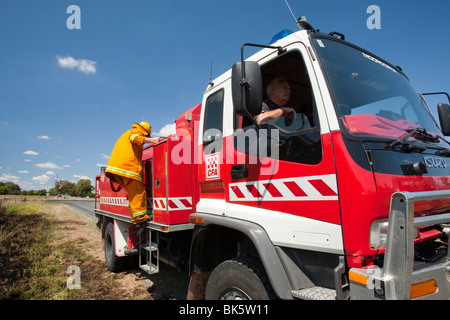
[140, 219]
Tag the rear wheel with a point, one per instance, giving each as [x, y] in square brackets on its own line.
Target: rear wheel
[238, 279]
[113, 262]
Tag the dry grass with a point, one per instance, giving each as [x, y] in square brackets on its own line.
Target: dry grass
[29, 263]
[38, 242]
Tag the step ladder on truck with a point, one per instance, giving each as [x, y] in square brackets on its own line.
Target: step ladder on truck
[351, 203]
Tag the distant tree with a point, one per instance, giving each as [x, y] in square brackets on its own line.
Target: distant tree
[41, 192]
[67, 187]
[53, 192]
[12, 188]
[83, 188]
[58, 186]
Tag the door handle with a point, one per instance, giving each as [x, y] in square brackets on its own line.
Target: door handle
[239, 171]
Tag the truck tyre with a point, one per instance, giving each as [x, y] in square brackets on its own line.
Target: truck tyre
[239, 279]
[113, 262]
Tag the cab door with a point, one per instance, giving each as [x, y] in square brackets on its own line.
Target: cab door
[287, 166]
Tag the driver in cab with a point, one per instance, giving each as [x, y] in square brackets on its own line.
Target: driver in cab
[278, 92]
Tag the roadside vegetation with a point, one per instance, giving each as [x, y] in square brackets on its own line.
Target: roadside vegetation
[41, 245]
[83, 188]
[41, 242]
[30, 262]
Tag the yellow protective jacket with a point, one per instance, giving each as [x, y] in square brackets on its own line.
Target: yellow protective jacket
[126, 157]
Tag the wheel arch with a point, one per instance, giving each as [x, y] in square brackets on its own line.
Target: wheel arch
[221, 238]
[105, 221]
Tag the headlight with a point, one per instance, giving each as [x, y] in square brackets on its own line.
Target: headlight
[378, 234]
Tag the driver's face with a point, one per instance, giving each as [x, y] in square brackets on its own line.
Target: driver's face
[281, 94]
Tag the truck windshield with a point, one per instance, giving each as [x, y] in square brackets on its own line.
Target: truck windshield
[374, 99]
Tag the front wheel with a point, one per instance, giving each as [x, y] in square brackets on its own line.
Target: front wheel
[238, 279]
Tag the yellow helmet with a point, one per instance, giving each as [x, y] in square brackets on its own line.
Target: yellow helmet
[146, 127]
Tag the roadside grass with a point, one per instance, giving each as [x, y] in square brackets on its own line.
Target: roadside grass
[31, 262]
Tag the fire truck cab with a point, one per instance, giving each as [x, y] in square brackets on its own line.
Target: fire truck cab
[348, 199]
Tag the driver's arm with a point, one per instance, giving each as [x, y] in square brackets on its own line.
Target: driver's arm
[274, 114]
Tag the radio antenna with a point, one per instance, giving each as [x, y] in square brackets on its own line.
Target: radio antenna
[210, 83]
[210, 71]
[293, 15]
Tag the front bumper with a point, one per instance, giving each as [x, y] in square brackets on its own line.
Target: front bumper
[401, 277]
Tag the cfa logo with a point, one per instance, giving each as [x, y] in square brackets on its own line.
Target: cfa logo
[212, 167]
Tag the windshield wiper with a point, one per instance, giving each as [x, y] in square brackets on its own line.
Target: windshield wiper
[418, 133]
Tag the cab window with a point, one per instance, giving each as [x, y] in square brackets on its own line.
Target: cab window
[213, 123]
[294, 137]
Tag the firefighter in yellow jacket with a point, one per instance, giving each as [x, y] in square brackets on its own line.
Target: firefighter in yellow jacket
[125, 168]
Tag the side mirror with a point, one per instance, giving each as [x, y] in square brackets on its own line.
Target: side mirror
[247, 89]
[444, 118]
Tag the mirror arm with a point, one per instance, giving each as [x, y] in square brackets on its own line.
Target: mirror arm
[435, 93]
[281, 50]
[245, 83]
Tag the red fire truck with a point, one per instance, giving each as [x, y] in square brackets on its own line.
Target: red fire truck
[351, 203]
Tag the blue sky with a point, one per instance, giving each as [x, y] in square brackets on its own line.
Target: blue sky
[66, 95]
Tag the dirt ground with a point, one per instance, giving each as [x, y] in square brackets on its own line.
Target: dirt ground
[98, 283]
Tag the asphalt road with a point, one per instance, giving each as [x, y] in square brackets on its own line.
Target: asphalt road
[85, 206]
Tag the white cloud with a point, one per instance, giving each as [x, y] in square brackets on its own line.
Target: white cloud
[23, 171]
[50, 173]
[83, 65]
[9, 178]
[100, 165]
[26, 185]
[66, 166]
[41, 179]
[31, 153]
[104, 156]
[166, 131]
[44, 137]
[48, 165]
[87, 66]
[27, 160]
[81, 177]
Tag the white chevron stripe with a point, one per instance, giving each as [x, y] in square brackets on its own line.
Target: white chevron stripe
[114, 201]
[240, 192]
[162, 203]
